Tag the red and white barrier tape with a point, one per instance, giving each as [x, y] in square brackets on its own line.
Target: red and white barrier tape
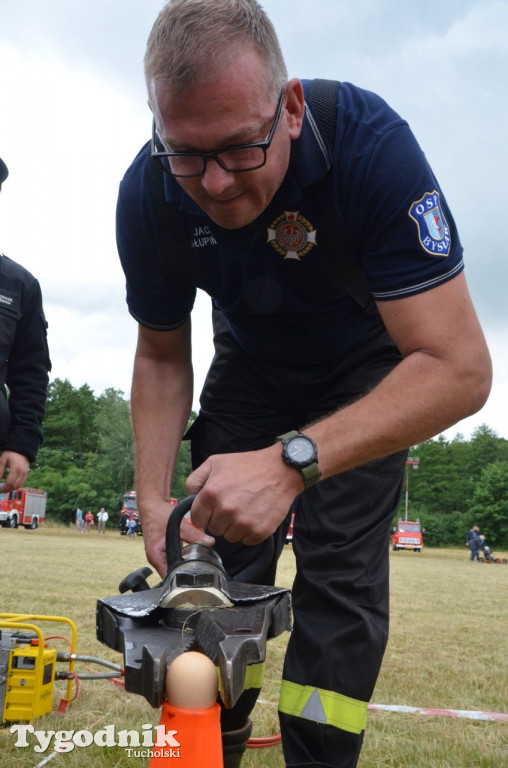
[442, 712]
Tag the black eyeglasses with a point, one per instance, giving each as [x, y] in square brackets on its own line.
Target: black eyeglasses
[236, 159]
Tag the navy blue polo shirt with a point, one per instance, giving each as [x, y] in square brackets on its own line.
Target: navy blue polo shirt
[271, 279]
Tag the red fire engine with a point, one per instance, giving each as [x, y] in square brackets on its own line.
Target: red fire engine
[24, 506]
[407, 534]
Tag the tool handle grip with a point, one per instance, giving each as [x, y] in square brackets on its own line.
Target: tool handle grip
[174, 551]
[173, 547]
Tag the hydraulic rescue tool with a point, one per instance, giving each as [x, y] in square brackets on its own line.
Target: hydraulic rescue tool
[197, 607]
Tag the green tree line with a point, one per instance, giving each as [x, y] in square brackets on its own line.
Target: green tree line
[458, 484]
[87, 459]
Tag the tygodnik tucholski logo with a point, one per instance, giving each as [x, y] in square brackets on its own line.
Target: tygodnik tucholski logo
[150, 742]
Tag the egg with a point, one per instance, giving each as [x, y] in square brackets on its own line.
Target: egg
[192, 681]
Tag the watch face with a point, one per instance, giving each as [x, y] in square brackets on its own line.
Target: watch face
[300, 449]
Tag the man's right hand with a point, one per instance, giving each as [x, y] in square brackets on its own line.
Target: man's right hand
[154, 519]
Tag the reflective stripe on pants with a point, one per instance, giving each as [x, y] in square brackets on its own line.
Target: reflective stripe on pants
[323, 706]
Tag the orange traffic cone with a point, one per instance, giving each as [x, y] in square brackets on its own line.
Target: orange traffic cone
[188, 738]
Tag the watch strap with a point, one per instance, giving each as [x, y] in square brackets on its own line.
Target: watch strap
[287, 435]
[311, 474]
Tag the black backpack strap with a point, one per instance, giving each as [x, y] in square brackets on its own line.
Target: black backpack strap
[323, 102]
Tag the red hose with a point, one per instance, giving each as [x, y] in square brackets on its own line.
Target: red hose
[264, 741]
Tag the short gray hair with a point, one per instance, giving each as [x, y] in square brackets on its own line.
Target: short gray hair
[192, 39]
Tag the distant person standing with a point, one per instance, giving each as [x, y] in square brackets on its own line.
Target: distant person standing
[475, 544]
[79, 519]
[124, 521]
[473, 533]
[89, 521]
[24, 368]
[102, 519]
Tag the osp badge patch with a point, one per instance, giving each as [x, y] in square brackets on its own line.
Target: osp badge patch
[292, 235]
[433, 229]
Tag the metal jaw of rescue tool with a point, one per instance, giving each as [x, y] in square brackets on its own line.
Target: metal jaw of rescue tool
[196, 607]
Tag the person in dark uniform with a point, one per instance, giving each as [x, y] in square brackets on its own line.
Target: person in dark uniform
[24, 368]
[311, 402]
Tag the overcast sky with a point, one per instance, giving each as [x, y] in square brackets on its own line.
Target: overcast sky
[73, 114]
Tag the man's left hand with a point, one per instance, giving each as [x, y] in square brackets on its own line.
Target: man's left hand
[15, 467]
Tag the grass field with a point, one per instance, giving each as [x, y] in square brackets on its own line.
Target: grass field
[448, 650]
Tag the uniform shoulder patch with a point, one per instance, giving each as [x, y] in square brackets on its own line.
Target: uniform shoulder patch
[433, 230]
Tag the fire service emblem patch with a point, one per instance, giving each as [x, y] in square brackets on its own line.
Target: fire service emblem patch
[292, 235]
[433, 229]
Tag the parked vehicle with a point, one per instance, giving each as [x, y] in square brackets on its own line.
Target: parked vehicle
[407, 534]
[24, 506]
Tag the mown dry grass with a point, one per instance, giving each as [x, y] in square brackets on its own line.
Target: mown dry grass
[448, 649]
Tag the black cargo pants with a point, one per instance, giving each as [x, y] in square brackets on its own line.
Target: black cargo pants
[340, 541]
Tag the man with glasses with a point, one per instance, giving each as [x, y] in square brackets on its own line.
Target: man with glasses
[311, 402]
[24, 367]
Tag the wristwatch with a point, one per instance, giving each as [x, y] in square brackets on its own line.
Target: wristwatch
[300, 451]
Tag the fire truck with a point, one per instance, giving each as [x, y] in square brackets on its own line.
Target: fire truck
[129, 508]
[24, 506]
[407, 534]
